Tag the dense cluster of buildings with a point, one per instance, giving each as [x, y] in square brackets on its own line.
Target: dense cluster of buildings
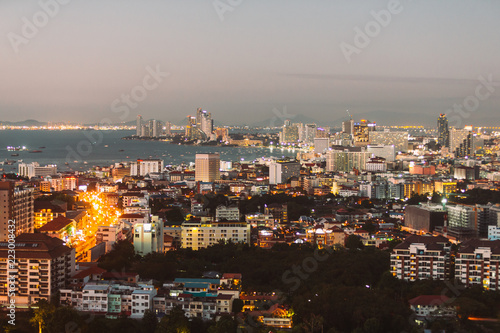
[360, 178]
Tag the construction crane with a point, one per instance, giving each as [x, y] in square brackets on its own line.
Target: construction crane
[348, 113]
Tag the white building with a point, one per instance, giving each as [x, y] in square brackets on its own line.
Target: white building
[376, 164]
[35, 170]
[478, 263]
[229, 213]
[421, 257]
[198, 235]
[95, 298]
[387, 152]
[145, 167]
[142, 300]
[148, 236]
[321, 145]
[493, 232]
[387, 138]
[280, 172]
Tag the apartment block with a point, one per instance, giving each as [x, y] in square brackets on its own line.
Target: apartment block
[197, 235]
[43, 265]
[478, 263]
[421, 257]
[16, 204]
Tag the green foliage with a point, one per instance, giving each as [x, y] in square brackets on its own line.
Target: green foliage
[149, 322]
[64, 318]
[353, 242]
[480, 196]
[120, 258]
[42, 314]
[226, 324]
[174, 322]
[237, 306]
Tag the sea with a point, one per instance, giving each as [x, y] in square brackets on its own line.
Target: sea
[81, 150]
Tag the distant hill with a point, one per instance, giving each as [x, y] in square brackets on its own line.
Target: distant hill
[389, 118]
[279, 120]
[29, 122]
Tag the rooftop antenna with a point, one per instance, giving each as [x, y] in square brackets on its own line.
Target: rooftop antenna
[348, 113]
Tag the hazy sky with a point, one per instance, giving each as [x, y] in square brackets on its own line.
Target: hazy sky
[247, 58]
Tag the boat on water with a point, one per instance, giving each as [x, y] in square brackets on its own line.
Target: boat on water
[35, 151]
[14, 154]
[121, 150]
[9, 162]
[18, 148]
[41, 147]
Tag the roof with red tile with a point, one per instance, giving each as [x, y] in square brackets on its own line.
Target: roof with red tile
[56, 224]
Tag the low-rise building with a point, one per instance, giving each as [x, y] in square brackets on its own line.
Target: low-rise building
[198, 235]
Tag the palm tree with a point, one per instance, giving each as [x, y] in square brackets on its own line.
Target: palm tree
[42, 314]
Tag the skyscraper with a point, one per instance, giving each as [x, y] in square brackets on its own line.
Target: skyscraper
[310, 133]
[443, 131]
[207, 167]
[138, 125]
[456, 138]
[290, 132]
[348, 126]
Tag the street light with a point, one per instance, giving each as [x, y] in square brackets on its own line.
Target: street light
[444, 201]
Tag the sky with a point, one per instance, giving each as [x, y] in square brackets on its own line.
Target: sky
[250, 61]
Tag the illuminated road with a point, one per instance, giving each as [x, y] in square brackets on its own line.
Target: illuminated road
[99, 213]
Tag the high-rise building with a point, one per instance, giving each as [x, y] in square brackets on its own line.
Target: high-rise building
[443, 131]
[321, 145]
[207, 124]
[145, 167]
[138, 128]
[280, 172]
[347, 159]
[322, 132]
[348, 127]
[457, 137]
[168, 128]
[424, 217]
[148, 236]
[310, 133]
[156, 128]
[398, 139]
[290, 133]
[477, 263]
[43, 266]
[422, 257]
[207, 167]
[466, 147]
[18, 207]
[387, 152]
[362, 131]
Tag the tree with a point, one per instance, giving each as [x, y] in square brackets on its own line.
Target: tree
[63, 319]
[226, 324]
[121, 257]
[42, 314]
[149, 322]
[353, 242]
[237, 306]
[174, 322]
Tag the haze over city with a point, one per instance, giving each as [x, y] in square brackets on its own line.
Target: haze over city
[241, 61]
